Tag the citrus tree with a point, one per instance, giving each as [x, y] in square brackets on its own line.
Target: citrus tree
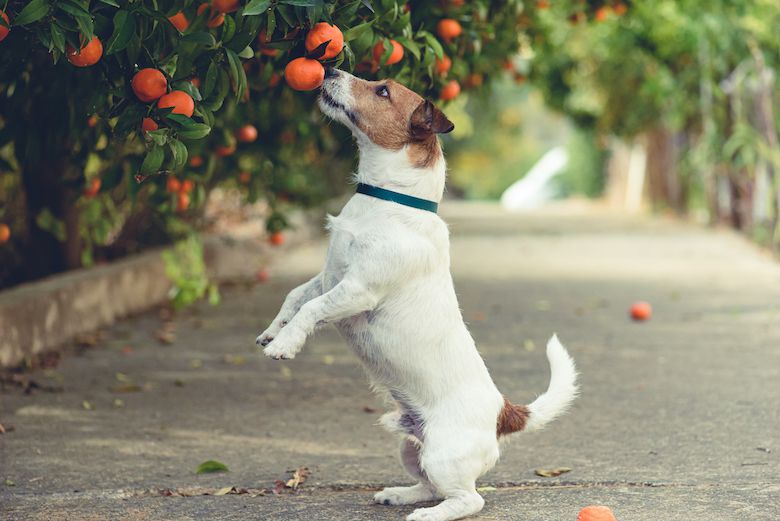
[117, 117]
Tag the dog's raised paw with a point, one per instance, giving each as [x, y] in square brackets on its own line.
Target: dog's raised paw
[404, 495]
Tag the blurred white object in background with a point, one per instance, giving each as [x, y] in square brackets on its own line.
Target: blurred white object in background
[536, 187]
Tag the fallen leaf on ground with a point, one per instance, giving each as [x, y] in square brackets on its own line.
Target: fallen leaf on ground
[122, 377]
[370, 410]
[478, 316]
[223, 491]
[286, 372]
[87, 405]
[118, 404]
[127, 350]
[328, 359]
[529, 345]
[486, 489]
[178, 383]
[126, 388]
[235, 359]
[552, 473]
[10, 483]
[299, 476]
[2, 429]
[196, 363]
[210, 466]
[88, 339]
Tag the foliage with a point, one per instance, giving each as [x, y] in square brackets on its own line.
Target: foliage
[92, 186]
[185, 268]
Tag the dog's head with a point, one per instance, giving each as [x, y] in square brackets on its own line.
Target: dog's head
[386, 114]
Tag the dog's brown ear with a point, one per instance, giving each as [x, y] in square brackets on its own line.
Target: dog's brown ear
[427, 120]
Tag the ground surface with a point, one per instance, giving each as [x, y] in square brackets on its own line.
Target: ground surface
[678, 418]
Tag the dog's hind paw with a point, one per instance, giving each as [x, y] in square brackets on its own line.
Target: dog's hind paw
[404, 495]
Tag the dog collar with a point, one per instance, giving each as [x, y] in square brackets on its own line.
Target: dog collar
[396, 197]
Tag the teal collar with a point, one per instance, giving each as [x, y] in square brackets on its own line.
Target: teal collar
[396, 197]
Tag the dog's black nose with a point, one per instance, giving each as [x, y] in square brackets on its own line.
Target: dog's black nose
[331, 72]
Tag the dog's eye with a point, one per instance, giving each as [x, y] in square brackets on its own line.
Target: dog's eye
[382, 91]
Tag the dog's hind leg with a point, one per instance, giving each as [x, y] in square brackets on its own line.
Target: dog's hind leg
[422, 491]
[453, 467]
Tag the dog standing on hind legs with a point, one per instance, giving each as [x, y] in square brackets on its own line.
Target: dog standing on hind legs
[387, 287]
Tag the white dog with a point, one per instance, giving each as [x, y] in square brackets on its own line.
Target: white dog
[387, 287]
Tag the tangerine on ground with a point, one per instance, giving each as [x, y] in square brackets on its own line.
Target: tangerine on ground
[149, 84]
[246, 134]
[5, 233]
[395, 56]
[304, 74]
[450, 91]
[215, 19]
[179, 21]
[3, 29]
[277, 238]
[448, 29]
[172, 185]
[321, 33]
[641, 311]
[148, 125]
[596, 513]
[89, 55]
[180, 101]
[443, 65]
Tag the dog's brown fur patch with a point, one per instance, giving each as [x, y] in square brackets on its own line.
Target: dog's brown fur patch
[512, 418]
[387, 121]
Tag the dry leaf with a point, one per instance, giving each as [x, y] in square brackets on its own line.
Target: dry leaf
[299, 476]
[223, 491]
[122, 377]
[235, 359]
[529, 345]
[552, 473]
[369, 410]
[118, 404]
[486, 489]
[87, 405]
[286, 372]
[328, 359]
[2, 429]
[196, 363]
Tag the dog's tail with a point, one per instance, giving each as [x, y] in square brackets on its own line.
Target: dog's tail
[560, 394]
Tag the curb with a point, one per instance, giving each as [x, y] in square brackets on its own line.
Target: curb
[48, 314]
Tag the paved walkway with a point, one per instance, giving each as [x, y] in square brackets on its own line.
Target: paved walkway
[678, 420]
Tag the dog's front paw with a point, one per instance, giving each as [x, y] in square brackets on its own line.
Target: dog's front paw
[404, 495]
[267, 336]
[285, 345]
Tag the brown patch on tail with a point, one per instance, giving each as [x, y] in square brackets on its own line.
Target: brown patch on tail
[512, 418]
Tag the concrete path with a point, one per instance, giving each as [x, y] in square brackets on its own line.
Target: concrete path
[679, 417]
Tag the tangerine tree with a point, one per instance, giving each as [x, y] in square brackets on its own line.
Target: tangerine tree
[118, 117]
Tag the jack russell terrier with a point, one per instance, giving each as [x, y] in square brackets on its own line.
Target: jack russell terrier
[387, 287]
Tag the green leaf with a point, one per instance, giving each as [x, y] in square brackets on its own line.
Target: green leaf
[110, 2]
[409, 44]
[160, 137]
[124, 29]
[354, 32]
[433, 43]
[200, 37]
[237, 74]
[179, 152]
[153, 160]
[228, 29]
[195, 131]
[247, 53]
[211, 79]
[57, 38]
[32, 12]
[303, 3]
[256, 7]
[211, 466]
[74, 8]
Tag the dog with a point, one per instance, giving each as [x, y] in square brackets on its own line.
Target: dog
[386, 286]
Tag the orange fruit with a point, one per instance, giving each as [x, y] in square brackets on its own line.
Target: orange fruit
[180, 101]
[179, 21]
[182, 202]
[277, 238]
[262, 275]
[88, 55]
[443, 65]
[641, 311]
[195, 82]
[395, 56]
[245, 177]
[196, 161]
[5, 233]
[93, 188]
[321, 33]
[3, 29]
[187, 186]
[224, 151]
[172, 185]
[92, 121]
[450, 91]
[246, 134]
[225, 6]
[602, 13]
[542, 4]
[304, 74]
[448, 29]
[620, 9]
[596, 513]
[148, 125]
[215, 18]
[149, 84]
[474, 80]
